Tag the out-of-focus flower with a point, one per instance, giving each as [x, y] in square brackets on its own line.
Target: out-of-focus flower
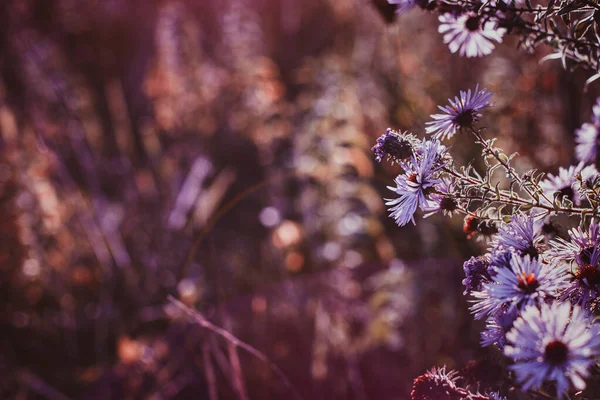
[555, 342]
[586, 137]
[527, 281]
[395, 146]
[596, 112]
[403, 5]
[462, 112]
[469, 34]
[496, 396]
[412, 187]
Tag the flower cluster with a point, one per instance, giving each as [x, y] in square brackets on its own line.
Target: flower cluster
[538, 293]
[473, 28]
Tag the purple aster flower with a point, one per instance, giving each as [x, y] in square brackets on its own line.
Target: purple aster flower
[586, 138]
[395, 146]
[584, 286]
[403, 5]
[566, 182]
[580, 247]
[469, 34]
[596, 112]
[520, 235]
[418, 180]
[527, 281]
[555, 342]
[476, 272]
[562, 183]
[462, 113]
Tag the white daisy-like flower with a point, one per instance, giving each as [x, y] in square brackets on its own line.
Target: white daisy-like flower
[462, 112]
[555, 342]
[469, 34]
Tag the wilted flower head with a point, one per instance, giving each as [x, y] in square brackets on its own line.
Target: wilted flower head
[436, 384]
[395, 146]
[553, 343]
[527, 281]
[414, 185]
[470, 34]
[462, 112]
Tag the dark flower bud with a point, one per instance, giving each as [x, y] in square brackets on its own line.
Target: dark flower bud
[394, 146]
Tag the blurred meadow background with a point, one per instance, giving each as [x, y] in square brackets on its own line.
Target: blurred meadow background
[218, 151]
